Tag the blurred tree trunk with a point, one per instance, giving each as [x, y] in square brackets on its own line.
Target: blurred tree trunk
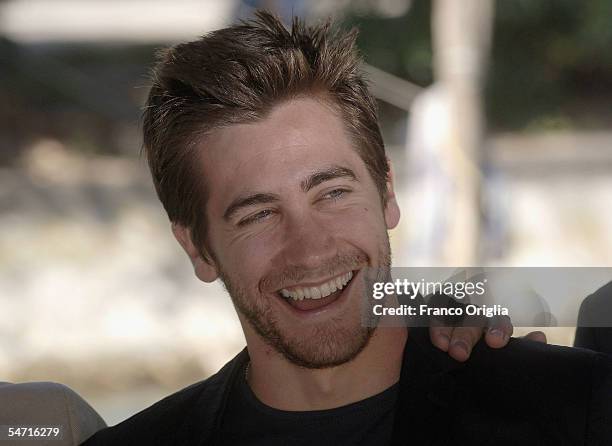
[461, 39]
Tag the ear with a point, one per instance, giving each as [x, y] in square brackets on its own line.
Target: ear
[392, 210]
[205, 271]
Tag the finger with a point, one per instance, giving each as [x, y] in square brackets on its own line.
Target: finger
[462, 341]
[440, 336]
[498, 333]
[537, 336]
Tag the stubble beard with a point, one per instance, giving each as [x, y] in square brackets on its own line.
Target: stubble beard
[327, 345]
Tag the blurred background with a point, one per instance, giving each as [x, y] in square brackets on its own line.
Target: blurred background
[496, 114]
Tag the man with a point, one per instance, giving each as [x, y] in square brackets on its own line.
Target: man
[266, 153]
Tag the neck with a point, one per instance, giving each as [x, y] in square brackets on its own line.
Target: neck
[282, 385]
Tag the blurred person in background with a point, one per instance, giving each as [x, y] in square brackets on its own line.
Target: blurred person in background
[265, 151]
[595, 312]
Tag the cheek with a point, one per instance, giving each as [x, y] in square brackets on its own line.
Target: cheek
[365, 215]
[246, 260]
[360, 225]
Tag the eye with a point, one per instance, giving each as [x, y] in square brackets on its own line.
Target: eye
[255, 218]
[336, 194]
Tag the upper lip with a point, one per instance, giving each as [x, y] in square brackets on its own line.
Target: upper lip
[313, 284]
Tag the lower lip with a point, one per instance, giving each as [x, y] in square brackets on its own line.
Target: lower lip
[322, 306]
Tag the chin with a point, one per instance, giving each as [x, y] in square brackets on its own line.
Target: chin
[324, 347]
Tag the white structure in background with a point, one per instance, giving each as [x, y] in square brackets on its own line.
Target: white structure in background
[445, 135]
[429, 187]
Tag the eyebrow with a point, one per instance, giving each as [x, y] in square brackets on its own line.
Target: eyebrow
[307, 184]
[330, 173]
[250, 200]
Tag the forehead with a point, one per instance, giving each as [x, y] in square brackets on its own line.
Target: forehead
[297, 137]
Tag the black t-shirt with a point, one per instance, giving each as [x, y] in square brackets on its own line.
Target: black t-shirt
[248, 421]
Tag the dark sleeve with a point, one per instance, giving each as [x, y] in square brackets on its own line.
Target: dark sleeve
[599, 423]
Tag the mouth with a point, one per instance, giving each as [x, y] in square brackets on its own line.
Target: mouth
[312, 297]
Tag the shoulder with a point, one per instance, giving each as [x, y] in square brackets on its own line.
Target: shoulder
[49, 403]
[527, 390]
[551, 367]
[535, 357]
[177, 419]
[521, 357]
[565, 389]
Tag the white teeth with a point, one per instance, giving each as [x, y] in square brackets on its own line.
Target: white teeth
[320, 291]
[298, 295]
[325, 290]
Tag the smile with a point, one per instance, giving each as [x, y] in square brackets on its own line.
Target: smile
[319, 291]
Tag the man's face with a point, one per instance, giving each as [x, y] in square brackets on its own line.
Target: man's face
[293, 217]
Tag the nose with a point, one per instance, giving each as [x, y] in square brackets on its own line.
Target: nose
[308, 243]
